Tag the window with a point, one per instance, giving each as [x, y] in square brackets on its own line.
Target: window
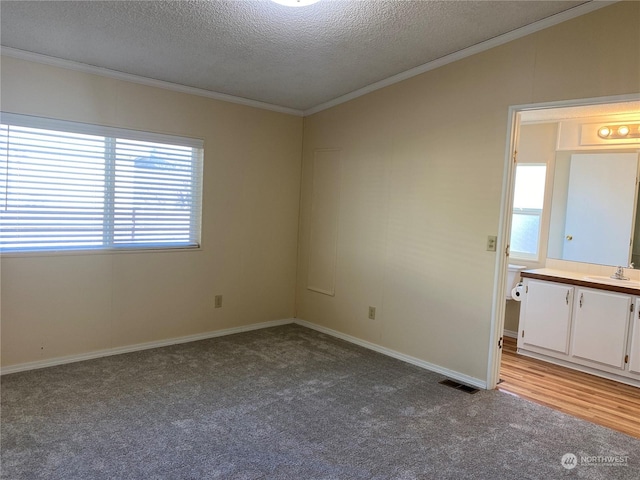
[528, 200]
[71, 186]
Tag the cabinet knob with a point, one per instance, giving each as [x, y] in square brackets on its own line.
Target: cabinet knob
[569, 237]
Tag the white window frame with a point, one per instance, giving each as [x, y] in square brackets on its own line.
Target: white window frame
[543, 213]
[109, 134]
[534, 212]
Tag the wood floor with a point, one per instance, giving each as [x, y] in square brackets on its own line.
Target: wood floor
[591, 398]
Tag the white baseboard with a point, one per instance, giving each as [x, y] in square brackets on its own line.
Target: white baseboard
[21, 367]
[460, 377]
[510, 333]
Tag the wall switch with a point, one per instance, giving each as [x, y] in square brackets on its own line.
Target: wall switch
[372, 313]
[218, 301]
[492, 242]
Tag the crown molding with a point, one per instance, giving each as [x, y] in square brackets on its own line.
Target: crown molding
[453, 57]
[150, 82]
[467, 52]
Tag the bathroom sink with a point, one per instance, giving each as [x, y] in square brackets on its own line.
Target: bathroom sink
[612, 281]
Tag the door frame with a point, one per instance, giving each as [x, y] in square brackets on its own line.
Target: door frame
[498, 307]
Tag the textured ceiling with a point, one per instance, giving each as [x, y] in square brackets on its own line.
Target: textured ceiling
[291, 57]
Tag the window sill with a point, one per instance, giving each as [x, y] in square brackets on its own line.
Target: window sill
[87, 252]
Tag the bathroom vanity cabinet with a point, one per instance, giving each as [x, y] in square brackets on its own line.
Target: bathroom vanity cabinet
[634, 354]
[600, 328]
[590, 326]
[546, 312]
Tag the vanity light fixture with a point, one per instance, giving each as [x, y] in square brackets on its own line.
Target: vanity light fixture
[617, 132]
[295, 3]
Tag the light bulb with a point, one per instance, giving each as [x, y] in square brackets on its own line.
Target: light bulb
[623, 130]
[604, 132]
[295, 3]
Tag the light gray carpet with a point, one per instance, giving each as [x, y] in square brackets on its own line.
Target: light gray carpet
[282, 403]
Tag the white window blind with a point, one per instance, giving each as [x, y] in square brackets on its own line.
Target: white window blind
[71, 186]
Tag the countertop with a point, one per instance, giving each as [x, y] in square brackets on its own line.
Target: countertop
[631, 287]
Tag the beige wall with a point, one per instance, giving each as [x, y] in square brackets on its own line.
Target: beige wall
[59, 305]
[421, 168]
[421, 182]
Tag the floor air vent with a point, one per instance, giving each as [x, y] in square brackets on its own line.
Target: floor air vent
[458, 386]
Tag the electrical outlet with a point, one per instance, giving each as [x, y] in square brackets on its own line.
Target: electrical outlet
[372, 313]
[218, 301]
[492, 242]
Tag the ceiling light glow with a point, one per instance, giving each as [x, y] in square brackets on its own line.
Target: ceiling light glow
[624, 130]
[295, 3]
[604, 132]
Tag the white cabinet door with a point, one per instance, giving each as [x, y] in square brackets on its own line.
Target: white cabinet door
[545, 316]
[634, 351]
[600, 326]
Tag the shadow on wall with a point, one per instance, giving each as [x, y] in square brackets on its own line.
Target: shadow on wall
[512, 316]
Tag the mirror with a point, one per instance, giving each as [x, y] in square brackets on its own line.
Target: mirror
[593, 208]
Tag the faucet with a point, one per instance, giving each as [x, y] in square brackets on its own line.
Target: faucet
[619, 275]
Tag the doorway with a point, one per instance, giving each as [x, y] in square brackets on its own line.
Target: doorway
[565, 116]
